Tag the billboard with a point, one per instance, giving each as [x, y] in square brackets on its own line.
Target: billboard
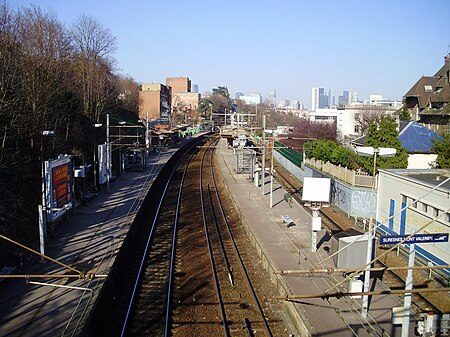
[316, 189]
[58, 188]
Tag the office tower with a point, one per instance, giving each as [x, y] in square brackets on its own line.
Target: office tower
[272, 98]
[331, 98]
[238, 95]
[323, 99]
[346, 95]
[315, 99]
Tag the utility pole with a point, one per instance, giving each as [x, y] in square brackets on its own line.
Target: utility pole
[263, 164]
[108, 154]
[271, 171]
[43, 208]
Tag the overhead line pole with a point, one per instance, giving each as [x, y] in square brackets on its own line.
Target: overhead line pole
[263, 166]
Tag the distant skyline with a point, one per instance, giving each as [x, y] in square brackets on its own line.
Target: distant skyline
[371, 47]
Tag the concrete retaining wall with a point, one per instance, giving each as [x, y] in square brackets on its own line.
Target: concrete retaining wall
[355, 201]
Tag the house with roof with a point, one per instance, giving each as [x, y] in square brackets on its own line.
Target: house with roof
[429, 99]
[418, 142]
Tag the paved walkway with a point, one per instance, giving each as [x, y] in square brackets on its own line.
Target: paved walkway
[87, 241]
[289, 248]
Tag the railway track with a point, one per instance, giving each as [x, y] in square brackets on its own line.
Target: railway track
[224, 302]
[243, 309]
[148, 312]
[190, 278]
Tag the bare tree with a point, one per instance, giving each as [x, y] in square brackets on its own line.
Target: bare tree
[367, 115]
[128, 92]
[304, 130]
[45, 56]
[94, 46]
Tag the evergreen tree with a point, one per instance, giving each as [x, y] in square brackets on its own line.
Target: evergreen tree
[442, 149]
[404, 113]
[385, 134]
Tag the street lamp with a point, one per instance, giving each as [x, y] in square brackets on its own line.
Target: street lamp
[97, 125]
[368, 151]
[43, 208]
[108, 154]
[271, 170]
[211, 116]
[263, 178]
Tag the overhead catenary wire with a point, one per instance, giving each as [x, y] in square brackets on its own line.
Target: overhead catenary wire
[78, 276]
[326, 295]
[358, 239]
[389, 250]
[313, 271]
[42, 255]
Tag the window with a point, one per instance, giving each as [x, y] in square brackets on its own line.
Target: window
[404, 199]
[447, 217]
[428, 88]
[435, 211]
[424, 207]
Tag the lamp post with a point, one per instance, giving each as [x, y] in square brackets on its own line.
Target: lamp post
[119, 141]
[97, 125]
[108, 154]
[211, 115]
[263, 166]
[271, 171]
[368, 151]
[43, 208]
[148, 136]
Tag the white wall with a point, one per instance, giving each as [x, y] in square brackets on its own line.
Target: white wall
[421, 161]
[395, 189]
[345, 119]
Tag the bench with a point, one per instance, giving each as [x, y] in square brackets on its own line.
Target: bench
[287, 219]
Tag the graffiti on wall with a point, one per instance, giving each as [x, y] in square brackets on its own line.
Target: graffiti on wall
[361, 203]
[338, 195]
[352, 200]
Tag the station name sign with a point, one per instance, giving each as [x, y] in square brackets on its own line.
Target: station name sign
[418, 238]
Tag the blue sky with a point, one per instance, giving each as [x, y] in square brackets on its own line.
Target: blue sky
[367, 46]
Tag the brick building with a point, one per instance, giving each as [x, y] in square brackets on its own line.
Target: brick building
[179, 84]
[154, 98]
[173, 101]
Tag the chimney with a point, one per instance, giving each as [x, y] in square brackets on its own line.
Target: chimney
[447, 58]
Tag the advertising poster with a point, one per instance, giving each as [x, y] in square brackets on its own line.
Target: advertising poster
[61, 185]
[58, 187]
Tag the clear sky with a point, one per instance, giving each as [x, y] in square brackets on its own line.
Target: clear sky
[367, 46]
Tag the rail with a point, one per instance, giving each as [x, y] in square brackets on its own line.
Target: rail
[241, 263]
[144, 257]
[211, 257]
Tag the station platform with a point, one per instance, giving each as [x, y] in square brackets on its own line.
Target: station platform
[89, 241]
[286, 245]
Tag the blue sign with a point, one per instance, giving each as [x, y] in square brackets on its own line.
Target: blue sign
[418, 238]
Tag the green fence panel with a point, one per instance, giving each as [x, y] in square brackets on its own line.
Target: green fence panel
[292, 155]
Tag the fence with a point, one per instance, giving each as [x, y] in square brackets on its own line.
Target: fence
[351, 177]
[292, 155]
